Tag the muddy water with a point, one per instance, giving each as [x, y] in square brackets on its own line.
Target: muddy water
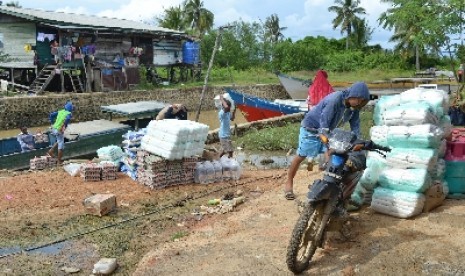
[209, 117]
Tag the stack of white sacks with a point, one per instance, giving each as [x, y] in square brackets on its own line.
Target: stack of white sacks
[413, 124]
[175, 139]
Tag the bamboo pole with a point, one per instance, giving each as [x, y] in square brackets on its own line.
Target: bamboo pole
[210, 65]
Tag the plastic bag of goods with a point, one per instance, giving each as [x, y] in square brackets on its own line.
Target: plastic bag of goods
[397, 203]
[412, 158]
[408, 180]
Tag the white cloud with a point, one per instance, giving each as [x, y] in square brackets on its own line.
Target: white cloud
[139, 9]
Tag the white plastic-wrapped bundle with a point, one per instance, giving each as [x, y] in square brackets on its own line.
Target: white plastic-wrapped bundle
[110, 153]
[408, 114]
[162, 148]
[375, 164]
[407, 180]
[406, 158]
[397, 203]
[175, 139]
[438, 99]
[417, 136]
[383, 104]
[379, 135]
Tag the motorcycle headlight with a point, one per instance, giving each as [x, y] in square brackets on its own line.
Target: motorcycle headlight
[339, 146]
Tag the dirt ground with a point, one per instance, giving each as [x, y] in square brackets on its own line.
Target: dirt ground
[161, 236]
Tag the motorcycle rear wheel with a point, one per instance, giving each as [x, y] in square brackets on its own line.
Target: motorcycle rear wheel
[306, 237]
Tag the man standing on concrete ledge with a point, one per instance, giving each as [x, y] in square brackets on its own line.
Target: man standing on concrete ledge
[60, 120]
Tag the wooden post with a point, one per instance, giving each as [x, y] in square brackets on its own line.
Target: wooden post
[210, 65]
[62, 79]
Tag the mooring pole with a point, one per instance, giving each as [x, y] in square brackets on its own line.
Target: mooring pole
[210, 65]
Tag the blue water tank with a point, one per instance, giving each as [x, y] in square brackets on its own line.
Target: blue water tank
[191, 52]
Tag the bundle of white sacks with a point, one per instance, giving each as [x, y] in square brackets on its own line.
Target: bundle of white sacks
[413, 124]
[175, 139]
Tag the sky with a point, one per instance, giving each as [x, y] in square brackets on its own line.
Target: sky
[301, 17]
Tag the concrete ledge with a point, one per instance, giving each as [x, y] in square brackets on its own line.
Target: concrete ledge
[239, 130]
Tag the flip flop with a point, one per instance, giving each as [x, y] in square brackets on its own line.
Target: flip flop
[289, 195]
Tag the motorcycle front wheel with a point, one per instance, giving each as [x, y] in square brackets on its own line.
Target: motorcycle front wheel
[306, 237]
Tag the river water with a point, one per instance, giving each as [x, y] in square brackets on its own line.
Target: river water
[208, 117]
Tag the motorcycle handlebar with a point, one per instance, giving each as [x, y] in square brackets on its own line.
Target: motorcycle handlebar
[370, 145]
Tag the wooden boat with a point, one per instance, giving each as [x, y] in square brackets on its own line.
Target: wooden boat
[83, 138]
[254, 108]
[295, 87]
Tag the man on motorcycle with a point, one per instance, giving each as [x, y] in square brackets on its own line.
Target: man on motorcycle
[333, 111]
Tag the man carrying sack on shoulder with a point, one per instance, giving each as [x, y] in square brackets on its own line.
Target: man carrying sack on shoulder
[60, 120]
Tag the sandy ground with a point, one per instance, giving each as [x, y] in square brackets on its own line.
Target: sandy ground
[251, 240]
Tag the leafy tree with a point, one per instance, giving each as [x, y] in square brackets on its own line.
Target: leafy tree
[346, 16]
[198, 17]
[425, 25]
[173, 18]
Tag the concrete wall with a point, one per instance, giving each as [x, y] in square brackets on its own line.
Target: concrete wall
[34, 110]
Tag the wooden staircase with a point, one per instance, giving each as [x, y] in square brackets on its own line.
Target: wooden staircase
[44, 77]
[75, 81]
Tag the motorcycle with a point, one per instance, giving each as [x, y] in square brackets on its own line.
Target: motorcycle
[324, 206]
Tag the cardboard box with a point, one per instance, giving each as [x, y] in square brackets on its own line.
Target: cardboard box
[434, 197]
[100, 204]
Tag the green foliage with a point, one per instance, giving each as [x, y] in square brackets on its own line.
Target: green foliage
[277, 138]
[287, 137]
[179, 235]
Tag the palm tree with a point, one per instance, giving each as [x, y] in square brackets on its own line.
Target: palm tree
[273, 32]
[199, 18]
[173, 18]
[346, 16]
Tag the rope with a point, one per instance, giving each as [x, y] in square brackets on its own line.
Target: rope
[178, 203]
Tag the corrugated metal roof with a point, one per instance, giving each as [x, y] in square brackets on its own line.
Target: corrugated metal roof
[70, 20]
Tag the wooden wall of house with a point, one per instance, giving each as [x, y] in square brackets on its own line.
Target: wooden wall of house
[14, 34]
[108, 46]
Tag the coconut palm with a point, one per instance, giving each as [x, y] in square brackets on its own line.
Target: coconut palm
[173, 18]
[199, 18]
[273, 32]
[346, 16]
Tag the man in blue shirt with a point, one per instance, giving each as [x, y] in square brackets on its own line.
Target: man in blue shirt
[25, 140]
[333, 111]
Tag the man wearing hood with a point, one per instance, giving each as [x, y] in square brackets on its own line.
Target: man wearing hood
[333, 111]
[60, 120]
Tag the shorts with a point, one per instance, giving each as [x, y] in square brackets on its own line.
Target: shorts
[226, 145]
[60, 138]
[310, 144]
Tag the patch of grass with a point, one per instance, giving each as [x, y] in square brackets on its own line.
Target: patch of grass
[178, 235]
[276, 138]
[287, 137]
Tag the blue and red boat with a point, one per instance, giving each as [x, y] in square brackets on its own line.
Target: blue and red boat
[254, 108]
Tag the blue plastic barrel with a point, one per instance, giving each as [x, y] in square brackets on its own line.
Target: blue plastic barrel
[191, 52]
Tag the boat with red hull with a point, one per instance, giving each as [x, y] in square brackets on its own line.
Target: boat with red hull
[254, 108]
